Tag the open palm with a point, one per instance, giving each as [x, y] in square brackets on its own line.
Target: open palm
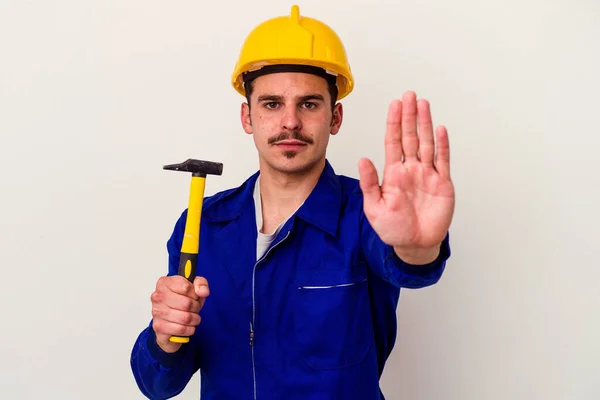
[414, 205]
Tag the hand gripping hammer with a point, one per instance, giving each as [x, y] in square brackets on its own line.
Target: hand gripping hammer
[191, 237]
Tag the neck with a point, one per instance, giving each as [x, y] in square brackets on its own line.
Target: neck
[282, 193]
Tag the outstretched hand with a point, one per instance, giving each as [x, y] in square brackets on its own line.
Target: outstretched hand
[413, 207]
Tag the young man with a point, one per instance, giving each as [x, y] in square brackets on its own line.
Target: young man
[304, 265]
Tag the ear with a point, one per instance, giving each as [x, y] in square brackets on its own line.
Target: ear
[245, 118]
[336, 118]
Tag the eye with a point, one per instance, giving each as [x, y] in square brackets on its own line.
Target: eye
[271, 105]
[309, 105]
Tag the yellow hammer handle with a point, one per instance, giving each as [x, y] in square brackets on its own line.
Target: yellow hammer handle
[191, 237]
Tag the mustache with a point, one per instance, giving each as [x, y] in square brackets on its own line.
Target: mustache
[296, 135]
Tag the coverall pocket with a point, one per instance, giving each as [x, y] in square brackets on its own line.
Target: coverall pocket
[333, 320]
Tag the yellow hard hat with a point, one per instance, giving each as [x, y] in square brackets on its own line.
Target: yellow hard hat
[294, 40]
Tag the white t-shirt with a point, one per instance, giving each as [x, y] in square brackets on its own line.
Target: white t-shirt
[263, 240]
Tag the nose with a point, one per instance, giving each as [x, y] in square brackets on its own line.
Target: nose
[291, 120]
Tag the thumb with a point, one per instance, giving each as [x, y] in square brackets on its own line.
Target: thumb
[201, 287]
[369, 182]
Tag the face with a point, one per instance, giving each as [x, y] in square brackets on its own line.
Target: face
[291, 119]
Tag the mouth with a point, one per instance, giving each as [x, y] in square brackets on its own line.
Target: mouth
[290, 145]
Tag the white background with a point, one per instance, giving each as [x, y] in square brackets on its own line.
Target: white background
[96, 96]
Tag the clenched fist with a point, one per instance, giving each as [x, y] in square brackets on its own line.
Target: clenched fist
[176, 303]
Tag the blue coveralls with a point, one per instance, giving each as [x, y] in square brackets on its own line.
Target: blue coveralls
[314, 318]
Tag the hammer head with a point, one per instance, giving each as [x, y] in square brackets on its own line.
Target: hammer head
[197, 167]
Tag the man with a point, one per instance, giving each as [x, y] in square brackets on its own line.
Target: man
[304, 266]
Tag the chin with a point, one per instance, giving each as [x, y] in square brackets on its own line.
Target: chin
[293, 162]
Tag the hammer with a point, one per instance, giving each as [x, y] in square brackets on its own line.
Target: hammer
[191, 237]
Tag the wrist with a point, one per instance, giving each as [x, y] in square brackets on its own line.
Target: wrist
[166, 345]
[417, 255]
[166, 353]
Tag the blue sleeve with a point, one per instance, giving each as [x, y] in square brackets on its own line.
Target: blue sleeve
[158, 374]
[385, 263]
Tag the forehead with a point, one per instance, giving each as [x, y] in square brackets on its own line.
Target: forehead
[290, 83]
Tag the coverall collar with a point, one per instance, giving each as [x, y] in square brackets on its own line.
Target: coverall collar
[321, 208]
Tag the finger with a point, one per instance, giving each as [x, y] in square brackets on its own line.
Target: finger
[410, 141]
[180, 285]
[164, 327]
[369, 182]
[175, 316]
[442, 159]
[201, 287]
[181, 303]
[393, 133]
[426, 142]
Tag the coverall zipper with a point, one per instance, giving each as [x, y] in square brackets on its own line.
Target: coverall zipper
[252, 334]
